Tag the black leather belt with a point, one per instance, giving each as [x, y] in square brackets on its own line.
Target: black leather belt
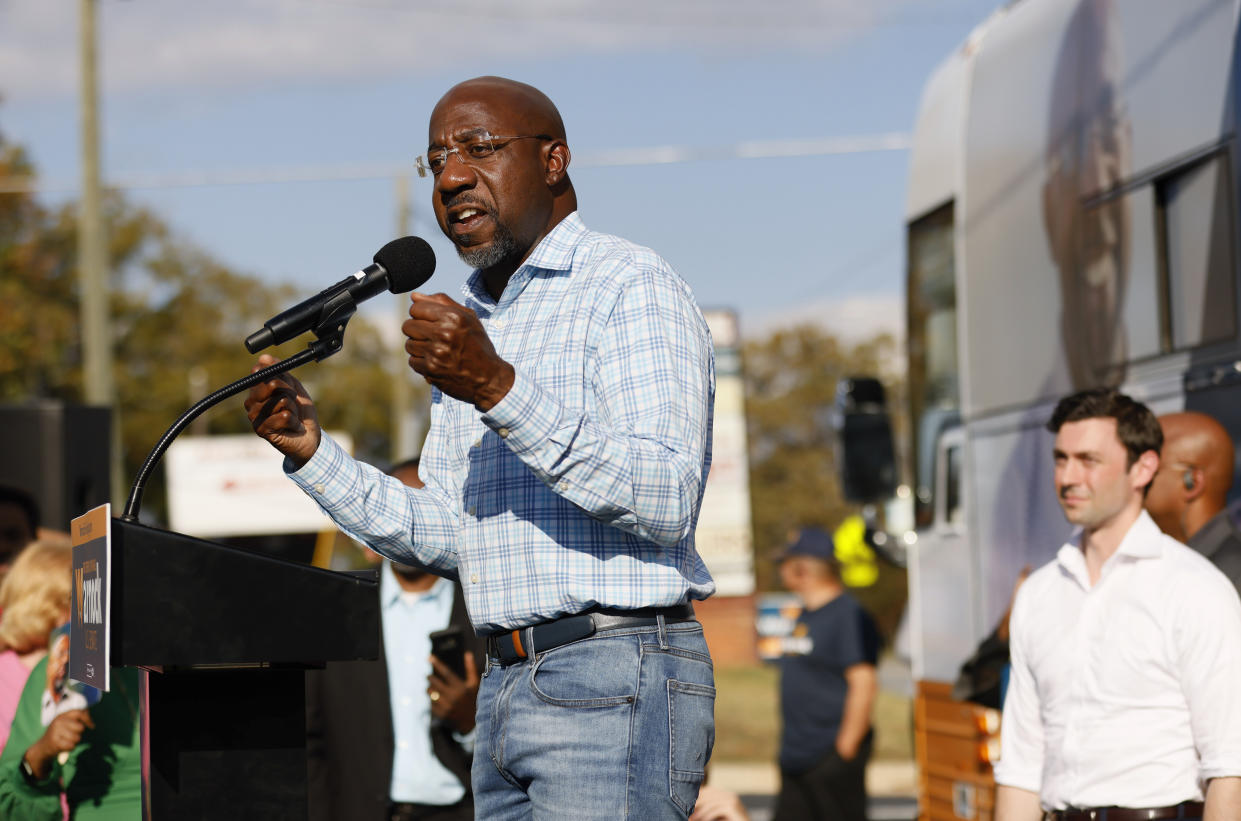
[517, 645]
[1187, 809]
[406, 811]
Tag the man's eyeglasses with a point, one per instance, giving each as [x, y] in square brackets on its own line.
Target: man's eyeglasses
[474, 149]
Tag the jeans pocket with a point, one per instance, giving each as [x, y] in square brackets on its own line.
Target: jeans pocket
[691, 730]
[597, 672]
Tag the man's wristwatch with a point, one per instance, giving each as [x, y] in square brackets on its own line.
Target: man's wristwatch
[28, 772]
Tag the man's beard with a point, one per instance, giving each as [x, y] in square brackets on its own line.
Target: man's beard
[502, 246]
[407, 572]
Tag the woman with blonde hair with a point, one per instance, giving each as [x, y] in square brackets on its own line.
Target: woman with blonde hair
[34, 598]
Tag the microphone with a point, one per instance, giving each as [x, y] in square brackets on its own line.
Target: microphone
[401, 265]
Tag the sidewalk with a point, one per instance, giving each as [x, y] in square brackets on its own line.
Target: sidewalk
[883, 778]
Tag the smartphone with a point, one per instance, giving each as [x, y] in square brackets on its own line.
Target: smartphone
[448, 645]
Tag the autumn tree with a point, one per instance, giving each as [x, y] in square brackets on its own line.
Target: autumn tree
[790, 380]
[178, 319]
[38, 313]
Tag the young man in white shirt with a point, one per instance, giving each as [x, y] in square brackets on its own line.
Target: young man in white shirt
[1126, 649]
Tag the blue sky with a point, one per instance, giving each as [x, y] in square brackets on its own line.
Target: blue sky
[336, 93]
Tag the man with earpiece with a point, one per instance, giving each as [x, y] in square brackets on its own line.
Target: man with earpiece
[1188, 497]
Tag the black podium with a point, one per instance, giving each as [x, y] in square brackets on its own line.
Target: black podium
[225, 636]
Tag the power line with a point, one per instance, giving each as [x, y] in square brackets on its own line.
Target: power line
[700, 15]
[604, 158]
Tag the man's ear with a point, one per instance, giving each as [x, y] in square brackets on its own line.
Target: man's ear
[1195, 483]
[557, 163]
[1144, 469]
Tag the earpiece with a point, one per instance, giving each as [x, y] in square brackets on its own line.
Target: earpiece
[1188, 478]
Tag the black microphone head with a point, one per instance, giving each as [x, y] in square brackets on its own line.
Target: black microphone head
[409, 262]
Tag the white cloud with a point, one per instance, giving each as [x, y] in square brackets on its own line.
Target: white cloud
[237, 43]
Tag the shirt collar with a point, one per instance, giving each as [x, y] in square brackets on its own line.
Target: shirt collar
[390, 589]
[553, 253]
[1143, 540]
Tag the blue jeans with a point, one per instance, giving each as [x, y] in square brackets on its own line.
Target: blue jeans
[616, 726]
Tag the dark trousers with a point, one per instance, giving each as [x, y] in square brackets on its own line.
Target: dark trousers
[831, 790]
[463, 810]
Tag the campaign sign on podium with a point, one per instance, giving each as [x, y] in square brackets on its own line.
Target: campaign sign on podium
[88, 614]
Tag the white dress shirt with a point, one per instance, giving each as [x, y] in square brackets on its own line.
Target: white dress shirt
[1127, 693]
[408, 620]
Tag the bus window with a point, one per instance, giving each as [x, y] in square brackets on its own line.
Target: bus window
[1195, 212]
[949, 482]
[953, 509]
[933, 370]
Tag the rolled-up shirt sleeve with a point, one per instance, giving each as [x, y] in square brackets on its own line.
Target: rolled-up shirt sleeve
[1021, 727]
[1210, 658]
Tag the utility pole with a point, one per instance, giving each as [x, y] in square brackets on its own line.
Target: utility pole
[100, 387]
[405, 423]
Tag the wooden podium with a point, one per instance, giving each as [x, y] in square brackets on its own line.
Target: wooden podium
[224, 636]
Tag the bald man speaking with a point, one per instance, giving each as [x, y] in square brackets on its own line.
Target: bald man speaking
[1189, 495]
[569, 446]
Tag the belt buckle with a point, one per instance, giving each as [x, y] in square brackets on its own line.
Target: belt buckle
[498, 648]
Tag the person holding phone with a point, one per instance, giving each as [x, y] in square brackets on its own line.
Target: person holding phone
[393, 738]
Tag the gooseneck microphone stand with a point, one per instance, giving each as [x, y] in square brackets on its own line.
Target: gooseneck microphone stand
[330, 336]
[224, 637]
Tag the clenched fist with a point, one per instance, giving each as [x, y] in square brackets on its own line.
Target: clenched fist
[448, 345]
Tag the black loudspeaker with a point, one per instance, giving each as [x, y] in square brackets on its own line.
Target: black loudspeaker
[865, 454]
[59, 453]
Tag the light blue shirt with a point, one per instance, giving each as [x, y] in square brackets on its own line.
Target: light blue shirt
[408, 620]
[582, 486]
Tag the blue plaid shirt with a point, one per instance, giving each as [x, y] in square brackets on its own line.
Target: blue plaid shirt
[582, 486]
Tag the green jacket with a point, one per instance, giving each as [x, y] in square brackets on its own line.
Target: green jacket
[102, 776]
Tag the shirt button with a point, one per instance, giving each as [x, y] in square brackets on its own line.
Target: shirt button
[478, 443]
[503, 433]
[498, 324]
[472, 510]
[405, 702]
[564, 486]
[319, 488]
[403, 745]
[473, 578]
